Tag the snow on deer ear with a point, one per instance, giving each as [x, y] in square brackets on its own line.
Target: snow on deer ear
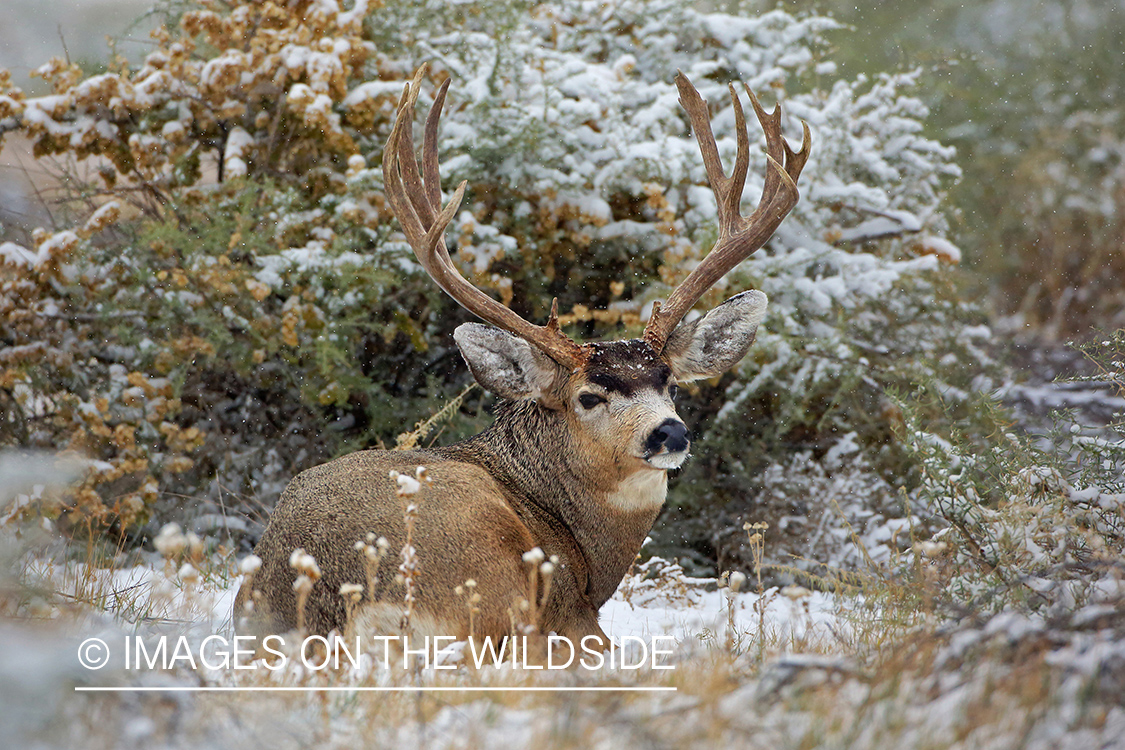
[712, 344]
[505, 364]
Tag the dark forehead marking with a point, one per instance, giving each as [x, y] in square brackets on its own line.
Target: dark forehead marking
[626, 366]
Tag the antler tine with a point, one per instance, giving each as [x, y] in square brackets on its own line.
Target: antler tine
[415, 199]
[778, 148]
[429, 145]
[739, 236]
[425, 205]
[396, 193]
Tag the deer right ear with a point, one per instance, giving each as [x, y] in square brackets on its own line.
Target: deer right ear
[713, 344]
[505, 364]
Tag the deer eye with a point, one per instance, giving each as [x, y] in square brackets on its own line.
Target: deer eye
[673, 391]
[590, 400]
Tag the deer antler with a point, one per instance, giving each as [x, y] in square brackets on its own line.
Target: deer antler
[415, 199]
[739, 236]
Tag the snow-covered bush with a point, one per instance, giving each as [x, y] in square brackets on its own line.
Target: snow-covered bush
[233, 302]
[1020, 525]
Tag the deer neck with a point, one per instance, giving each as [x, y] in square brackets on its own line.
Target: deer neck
[567, 501]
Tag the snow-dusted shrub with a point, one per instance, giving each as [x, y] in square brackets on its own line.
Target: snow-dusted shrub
[822, 516]
[1019, 525]
[250, 271]
[204, 316]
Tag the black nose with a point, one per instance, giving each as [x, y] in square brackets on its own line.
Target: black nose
[672, 435]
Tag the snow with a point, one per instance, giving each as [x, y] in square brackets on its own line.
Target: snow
[19, 255]
[370, 90]
[807, 683]
[234, 154]
[890, 224]
[941, 247]
[683, 613]
[700, 608]
[55, 244]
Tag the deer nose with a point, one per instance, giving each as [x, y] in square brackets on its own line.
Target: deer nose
[671, 435]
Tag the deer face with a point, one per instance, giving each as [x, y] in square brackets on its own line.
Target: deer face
[624, 399]
[620, 402]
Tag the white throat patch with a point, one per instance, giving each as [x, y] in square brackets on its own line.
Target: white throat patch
[642, 490]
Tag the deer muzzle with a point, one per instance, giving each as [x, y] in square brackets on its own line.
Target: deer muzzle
[667, 446]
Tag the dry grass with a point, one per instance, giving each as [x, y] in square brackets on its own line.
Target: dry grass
[884, 667]
[890, 655]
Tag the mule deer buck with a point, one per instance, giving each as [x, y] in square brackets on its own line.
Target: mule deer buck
[576, 461]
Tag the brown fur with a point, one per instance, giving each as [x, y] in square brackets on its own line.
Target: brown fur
[536, 477]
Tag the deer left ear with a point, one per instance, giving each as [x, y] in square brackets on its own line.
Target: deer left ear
[713, 344]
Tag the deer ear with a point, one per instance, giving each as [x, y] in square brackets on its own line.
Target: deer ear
[505, 364]
[710, 345]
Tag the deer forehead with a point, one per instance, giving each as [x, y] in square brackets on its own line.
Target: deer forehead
[626, 367]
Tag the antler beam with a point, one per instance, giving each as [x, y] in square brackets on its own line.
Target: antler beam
[739, 236]
[415, 198]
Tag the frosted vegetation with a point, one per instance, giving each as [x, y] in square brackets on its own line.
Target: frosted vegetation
[223, 299]
[284, 288]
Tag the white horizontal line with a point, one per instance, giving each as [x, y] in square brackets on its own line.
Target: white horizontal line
[361, 689]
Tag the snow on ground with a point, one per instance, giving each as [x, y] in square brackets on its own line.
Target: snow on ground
[791, 672]
[151, 601]
[41, 660]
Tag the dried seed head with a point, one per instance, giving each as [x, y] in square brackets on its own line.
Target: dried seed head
[194, 544]
[303, 584]
[250, 565]
[795, 592]
[547, 568]
[353, 592]
[304, 563]
[407, 485]
[171, 541]
[734, 583]
[188, 573]
[534, 556]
